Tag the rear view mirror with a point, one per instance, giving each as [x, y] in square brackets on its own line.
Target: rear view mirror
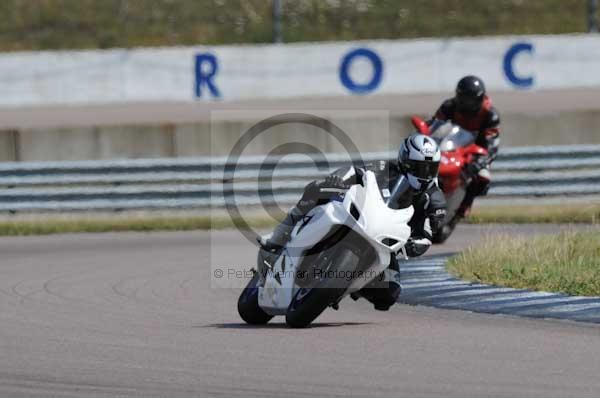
[420, 125]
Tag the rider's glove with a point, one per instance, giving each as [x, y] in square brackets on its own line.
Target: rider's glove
[333, 184]
[321, 190]
[476, 166]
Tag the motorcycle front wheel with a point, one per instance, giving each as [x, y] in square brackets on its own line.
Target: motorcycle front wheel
[309, 302]
[248, 307]
[444, 232]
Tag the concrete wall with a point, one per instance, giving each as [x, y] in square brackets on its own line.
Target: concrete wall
[202, 139]
[183, 140]
[560, 128]
[92, 143]
[8, 145]
[202, 79]
[309, 70]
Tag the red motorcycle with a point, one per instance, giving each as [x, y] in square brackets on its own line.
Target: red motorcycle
[458, 152]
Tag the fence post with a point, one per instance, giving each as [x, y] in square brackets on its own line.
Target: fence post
[592, 16]
[277, 21]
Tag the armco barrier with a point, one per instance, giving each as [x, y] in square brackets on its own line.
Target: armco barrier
[200, 182]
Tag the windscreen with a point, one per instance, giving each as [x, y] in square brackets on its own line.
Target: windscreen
[450, 136]
[399, 195]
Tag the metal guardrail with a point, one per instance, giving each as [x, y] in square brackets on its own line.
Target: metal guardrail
[199, 182]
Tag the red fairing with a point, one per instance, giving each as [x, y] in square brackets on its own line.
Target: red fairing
[420, 125]
[452, 164]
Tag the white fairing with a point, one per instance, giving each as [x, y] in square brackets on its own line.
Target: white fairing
[375, 223]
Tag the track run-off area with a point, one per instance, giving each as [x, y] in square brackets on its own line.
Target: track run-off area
[134, 314]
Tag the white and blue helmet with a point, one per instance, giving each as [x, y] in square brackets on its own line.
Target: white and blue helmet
[419, 158]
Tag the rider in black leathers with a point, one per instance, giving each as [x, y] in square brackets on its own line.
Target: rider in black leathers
[413, 176]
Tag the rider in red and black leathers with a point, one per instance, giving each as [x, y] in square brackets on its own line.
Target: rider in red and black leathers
[472, 110]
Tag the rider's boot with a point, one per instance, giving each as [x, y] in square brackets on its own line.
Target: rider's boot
[464, 209]
[478, 187]
[273, 245]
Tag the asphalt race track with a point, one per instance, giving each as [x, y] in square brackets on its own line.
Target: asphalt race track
[132, 314]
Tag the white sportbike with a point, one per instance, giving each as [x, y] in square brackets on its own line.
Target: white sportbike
[337, 249]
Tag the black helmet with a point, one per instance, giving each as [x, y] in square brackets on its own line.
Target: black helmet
[470, 91]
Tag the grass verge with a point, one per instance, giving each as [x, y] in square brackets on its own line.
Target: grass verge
[18, 226]
[48, 226]
[533, 214]
[567, 263]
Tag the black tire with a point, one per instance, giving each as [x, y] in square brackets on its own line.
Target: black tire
[444, 232]
[441, 236]
[309, 302]
[248, 307]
